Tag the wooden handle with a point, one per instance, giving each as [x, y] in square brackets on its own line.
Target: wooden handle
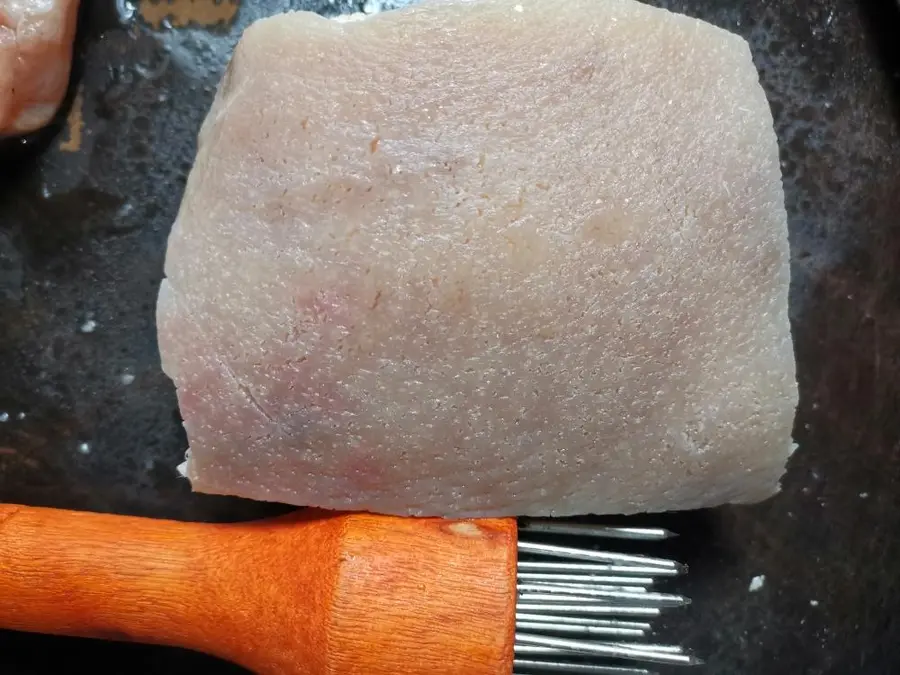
[311, 593]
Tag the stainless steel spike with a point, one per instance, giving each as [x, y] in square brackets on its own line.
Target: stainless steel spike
[528, 666]
[634, 652]
[595, 587]
[585, 631]
[557, 567]
[597, 556]
[642, 598]
[661, 649]
[581, 621]
[532, 650]
[587, 610]
[584, 579]
[668, 649]
[548, 526]
[582, 610]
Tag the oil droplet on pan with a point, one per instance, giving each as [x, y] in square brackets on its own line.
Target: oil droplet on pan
[126, 10]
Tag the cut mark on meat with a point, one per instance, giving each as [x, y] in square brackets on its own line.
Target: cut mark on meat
[248, 394]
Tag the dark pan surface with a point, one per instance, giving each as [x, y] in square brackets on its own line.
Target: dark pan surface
[83, 224]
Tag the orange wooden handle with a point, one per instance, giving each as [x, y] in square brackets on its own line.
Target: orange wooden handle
[310, 593]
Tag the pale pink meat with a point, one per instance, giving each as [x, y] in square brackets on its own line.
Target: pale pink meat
[494, 257]
[36, 39]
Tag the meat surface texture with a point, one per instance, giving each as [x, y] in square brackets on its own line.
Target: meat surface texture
[36, 39]
[479, 258]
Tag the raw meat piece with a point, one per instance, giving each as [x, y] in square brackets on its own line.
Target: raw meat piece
[36, 39]
[485, 258]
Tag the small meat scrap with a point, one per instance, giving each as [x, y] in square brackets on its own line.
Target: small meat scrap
[36, 38]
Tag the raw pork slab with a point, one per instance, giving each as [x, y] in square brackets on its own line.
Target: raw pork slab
[35, 60]
[485, 258]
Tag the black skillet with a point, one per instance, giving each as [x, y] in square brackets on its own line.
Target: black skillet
[92, 423]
